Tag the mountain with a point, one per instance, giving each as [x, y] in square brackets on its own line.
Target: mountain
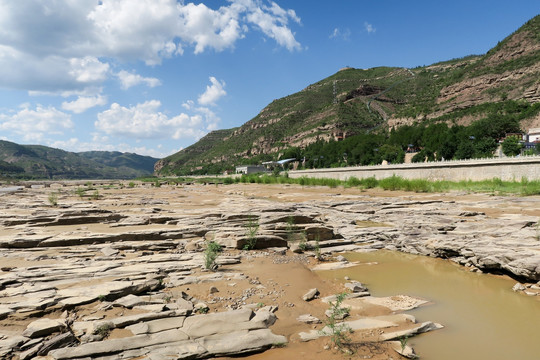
[121, 160]
[359, 101]
[41, 162]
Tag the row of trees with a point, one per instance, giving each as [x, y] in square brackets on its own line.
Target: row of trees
[431, 141]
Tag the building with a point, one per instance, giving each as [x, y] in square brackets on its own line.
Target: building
[533, 135]
[250, 169]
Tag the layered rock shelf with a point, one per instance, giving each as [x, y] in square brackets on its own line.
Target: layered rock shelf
[123, 276]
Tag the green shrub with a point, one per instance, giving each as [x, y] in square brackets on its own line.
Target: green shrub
[53, 198]
[369, 182]
[338, 332]
[252, 226]
[211, 253]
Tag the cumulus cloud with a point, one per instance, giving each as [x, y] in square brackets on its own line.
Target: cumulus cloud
[84, 103]
[213, 92]
[128, 80]
[33, 124]
[145, 121]
[62, 45]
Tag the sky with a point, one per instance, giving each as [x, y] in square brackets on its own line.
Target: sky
[154, 76]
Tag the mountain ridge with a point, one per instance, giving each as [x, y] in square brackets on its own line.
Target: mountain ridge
[42, 162]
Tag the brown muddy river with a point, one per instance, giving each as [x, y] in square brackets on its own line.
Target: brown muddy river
[483, 318]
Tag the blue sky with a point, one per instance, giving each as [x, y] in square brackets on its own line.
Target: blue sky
[154, 76]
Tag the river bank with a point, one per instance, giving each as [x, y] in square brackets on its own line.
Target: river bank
[147, 242]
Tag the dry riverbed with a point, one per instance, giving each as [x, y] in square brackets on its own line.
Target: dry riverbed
[119, 274]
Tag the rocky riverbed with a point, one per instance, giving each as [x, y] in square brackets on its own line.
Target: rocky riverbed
[120, 273]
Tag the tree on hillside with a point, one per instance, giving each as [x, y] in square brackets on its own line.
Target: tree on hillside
[511, 146]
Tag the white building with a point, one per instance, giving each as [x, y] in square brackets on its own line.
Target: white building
[250, 169]
[533, 135]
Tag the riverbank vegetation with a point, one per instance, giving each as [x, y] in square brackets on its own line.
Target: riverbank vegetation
[523, 187]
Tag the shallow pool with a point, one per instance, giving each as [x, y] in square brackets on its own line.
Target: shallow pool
[483, 318]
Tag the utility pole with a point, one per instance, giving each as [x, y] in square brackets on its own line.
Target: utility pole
[335, 93]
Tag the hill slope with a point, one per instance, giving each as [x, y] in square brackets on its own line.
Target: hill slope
[355, 101]
[36, 161]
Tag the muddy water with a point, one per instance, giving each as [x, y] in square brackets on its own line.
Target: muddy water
[483, 318]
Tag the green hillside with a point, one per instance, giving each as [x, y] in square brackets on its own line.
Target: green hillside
[41, 162]
[356, 102]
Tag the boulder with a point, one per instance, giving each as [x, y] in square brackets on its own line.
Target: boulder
[356, 287]
[308, 319]
[311, 294]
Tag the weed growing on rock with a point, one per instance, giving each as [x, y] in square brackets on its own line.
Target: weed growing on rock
[252, 226]
[95, 195]
[403, 342]
[103, 330]
[211, 254]
[80, 192]
[53, 199]
[338, 332]
[303, 245]
[131, 184]
[291, 227]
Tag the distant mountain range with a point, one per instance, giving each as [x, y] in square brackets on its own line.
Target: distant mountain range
[41, 162]
[357, 101]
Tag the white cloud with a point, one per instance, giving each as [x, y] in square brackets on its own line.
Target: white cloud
[88, 69]
[128, 80]
[369, 28]
[211, 119]
[84, 103]
[61, 45]
[32, 125]
[188, 105]
[144, 121]
[339, 33]
[213, 92]
[273, 23]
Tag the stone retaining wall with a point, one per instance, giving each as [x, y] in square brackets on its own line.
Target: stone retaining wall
[478, 169]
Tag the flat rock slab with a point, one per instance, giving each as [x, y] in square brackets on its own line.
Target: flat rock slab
[334, 265]
[44, 327]
[394, 303]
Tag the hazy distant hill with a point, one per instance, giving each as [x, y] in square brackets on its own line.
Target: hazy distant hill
[36, 161]
[357, 101]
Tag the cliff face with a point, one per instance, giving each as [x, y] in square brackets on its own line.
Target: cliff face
[354, 101]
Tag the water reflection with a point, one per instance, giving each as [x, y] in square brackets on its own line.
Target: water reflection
[483, 318]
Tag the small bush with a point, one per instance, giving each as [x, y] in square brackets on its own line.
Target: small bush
[338, 332]
[252, 226]
[211, 254]
[53, 199]
[369, 183]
